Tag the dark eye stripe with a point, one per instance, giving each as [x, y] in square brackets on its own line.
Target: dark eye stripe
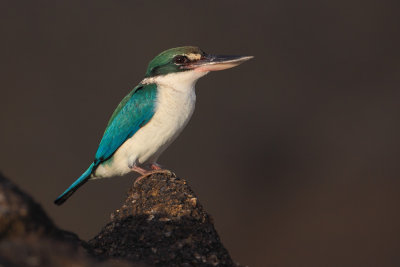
[181, 59]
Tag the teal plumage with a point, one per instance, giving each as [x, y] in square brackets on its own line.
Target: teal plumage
[132, 113]
[160, 106]
[75, 185]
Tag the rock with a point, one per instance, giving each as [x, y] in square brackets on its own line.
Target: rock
[162, 223]
[20, 215]
[29, 238]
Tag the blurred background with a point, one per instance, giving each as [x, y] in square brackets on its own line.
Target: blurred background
[295, 154]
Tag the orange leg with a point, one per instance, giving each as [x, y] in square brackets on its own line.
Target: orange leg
[145, 173]
[155, 166]
[139, 170]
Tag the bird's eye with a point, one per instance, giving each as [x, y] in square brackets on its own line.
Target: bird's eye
[181, 60]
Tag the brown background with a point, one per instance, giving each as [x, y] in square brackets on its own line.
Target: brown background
[295, 153]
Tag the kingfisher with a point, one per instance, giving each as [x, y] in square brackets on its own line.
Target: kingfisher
[152, 115]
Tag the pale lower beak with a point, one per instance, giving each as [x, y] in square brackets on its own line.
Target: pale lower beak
[214, 62]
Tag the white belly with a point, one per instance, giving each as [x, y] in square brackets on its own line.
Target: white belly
[173, 111]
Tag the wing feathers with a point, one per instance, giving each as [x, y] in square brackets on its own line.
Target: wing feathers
[134, 111]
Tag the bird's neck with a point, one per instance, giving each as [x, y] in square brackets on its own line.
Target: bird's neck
[180, 81]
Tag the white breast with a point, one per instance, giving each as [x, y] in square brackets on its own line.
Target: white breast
[174, 109]
[176, 100]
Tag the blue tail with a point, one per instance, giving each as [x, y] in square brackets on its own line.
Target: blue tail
[78, 183]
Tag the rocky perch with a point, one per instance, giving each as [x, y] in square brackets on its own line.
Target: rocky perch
[161, 223]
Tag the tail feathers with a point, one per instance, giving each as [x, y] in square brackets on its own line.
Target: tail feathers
[78, 183]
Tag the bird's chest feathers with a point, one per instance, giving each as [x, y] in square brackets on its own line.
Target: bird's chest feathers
[173, 110]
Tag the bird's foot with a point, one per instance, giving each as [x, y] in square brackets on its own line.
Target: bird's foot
[155, 166]
[145, 173]
[139, 170]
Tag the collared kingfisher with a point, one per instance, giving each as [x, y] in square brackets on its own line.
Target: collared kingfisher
[152, 115]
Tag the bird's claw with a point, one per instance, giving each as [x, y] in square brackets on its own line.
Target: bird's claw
[149, 173]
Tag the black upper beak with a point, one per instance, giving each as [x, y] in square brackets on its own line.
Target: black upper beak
[218, 62]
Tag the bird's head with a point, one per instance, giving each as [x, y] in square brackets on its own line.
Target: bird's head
[191, 59]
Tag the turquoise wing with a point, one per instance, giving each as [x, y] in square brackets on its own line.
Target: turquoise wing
[134, 111]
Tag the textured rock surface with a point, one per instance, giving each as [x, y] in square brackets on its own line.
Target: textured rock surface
[20, 215]
[162, 223]
[29, 238]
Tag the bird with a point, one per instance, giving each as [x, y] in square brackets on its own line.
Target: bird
[152, 115]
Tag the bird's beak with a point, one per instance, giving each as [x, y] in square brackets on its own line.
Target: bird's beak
[215, 62]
